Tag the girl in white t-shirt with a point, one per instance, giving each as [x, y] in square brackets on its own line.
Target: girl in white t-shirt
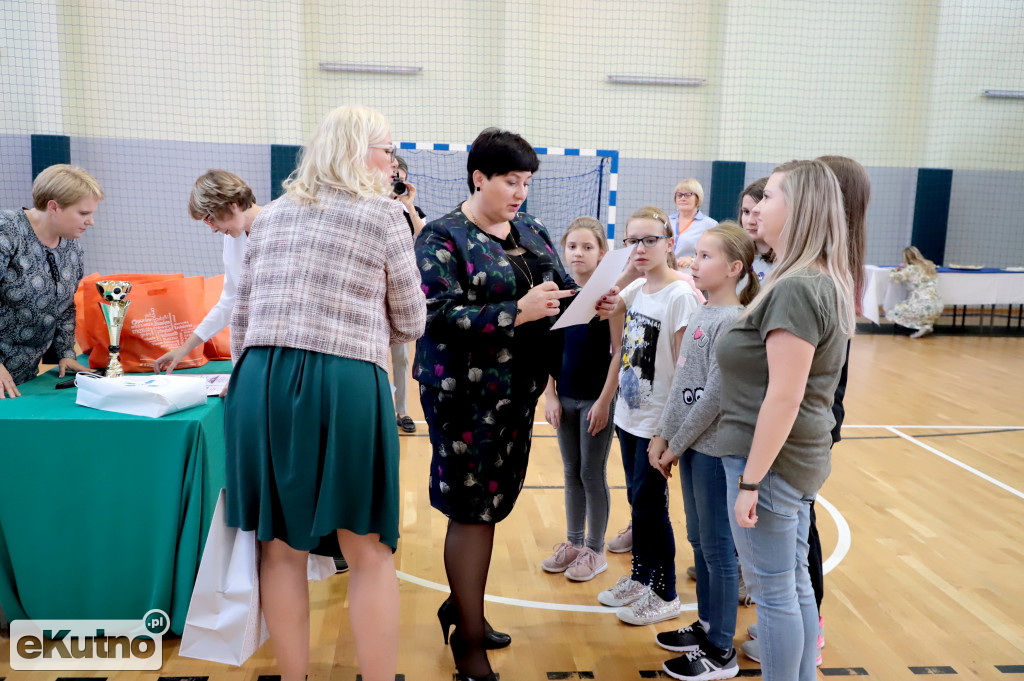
[225, 203]
[655, 309]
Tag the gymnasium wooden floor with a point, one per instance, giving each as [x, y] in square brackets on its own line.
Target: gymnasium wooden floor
[926, 544]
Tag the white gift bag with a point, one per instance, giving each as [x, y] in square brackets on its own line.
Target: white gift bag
[152, 396]
[225, 622]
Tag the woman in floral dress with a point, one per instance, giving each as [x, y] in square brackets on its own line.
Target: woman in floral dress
[493, 283]
[923, 305]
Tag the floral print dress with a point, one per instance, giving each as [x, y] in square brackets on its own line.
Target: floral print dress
[480, 375]
[923, 306]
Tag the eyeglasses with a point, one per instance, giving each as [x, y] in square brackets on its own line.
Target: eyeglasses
[208, 220]
[684, 195]
[647, 241]
[54, 272]
[389, 149]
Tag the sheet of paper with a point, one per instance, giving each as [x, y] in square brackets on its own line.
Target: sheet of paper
[214, 382]
[581, 310]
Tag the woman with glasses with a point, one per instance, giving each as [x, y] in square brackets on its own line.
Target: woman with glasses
[329, 279]
[225, 203]
[689, 222]
[493, 282]
[40, 267]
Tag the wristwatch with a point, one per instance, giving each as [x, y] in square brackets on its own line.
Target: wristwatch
[749, 486]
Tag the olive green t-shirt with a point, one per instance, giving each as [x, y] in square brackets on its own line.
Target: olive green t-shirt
[805, 305]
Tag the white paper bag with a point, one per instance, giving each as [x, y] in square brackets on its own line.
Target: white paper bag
[152, 396]
[224, 622]
[319, 568]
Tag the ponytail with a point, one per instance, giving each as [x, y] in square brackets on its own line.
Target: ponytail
[737, 245]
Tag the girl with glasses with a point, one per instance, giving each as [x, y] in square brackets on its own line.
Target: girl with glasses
[654, 311]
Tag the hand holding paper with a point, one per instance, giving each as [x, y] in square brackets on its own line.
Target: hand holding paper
[581, 311]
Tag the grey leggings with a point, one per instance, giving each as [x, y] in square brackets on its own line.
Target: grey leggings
[585, 462]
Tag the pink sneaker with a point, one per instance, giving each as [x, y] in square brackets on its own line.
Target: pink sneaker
[623, 543]
[564, 556]
[588, 564]
[821, 634]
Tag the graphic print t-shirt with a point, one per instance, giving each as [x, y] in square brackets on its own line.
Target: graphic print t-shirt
[646, 365]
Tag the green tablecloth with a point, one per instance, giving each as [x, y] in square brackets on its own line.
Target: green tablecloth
[104, 515]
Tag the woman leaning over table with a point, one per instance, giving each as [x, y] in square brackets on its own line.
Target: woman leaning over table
[40, 267]
[689, 222]
[225, 203]
[493, 282]
[329, 277]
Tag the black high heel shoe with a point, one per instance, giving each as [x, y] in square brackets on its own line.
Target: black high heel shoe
[448, 615]
[459, 645]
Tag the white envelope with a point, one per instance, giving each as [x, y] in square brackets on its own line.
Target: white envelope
[152, 396]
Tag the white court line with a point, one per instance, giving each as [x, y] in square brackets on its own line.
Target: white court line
[957, 462]
[843, 536]
[879, 427]
[842, 548]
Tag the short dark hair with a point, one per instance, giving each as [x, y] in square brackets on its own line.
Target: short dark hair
[402, 165]
[498, 152]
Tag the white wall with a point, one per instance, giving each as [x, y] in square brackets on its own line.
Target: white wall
[891, 84]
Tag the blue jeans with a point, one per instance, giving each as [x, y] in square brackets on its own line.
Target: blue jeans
[709, 532]
[774, 558]
[654, 544]
[585, 463]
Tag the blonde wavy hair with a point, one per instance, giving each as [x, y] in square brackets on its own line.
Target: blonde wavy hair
[814, 236]
[912, 256]
[336, 156]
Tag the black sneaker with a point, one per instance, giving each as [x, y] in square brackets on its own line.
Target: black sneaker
[684, 640]
[703, 666]
[340, 564]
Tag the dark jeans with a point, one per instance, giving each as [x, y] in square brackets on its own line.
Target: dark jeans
[654, 544]
[705, 499]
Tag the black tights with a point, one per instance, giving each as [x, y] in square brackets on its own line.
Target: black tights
[467, 559]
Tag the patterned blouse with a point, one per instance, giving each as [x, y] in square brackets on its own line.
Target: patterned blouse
[37, 296]
[923, 305]
[471, 302]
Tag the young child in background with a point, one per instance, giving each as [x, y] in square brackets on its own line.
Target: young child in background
[657, 309]
[686, 436]
[579, 406]
[923, 306]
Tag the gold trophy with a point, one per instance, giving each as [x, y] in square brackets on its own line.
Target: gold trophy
[115, 293]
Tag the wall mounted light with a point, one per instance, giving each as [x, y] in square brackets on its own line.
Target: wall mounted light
[1004, 94]
[371, 68]
[657, 80]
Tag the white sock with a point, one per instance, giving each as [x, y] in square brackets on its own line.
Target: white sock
[705, 624]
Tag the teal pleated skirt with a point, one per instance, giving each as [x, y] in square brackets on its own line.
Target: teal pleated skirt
[311, 447]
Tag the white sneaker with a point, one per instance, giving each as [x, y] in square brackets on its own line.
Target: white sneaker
[625, 591]
[650, 610]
